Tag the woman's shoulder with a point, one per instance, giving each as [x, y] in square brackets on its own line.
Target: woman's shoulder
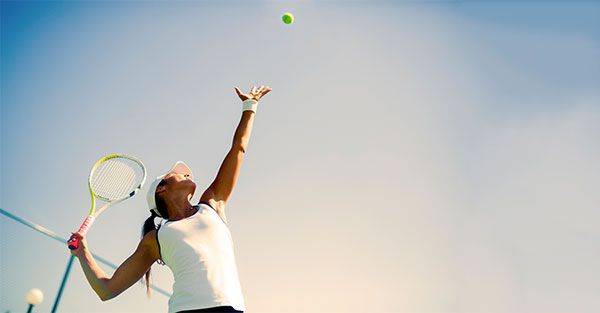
[148, 243]
[214, 207]
[210, 203]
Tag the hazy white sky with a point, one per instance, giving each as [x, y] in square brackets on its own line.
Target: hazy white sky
[412, 156]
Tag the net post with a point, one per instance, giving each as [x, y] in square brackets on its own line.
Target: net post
[62, 284]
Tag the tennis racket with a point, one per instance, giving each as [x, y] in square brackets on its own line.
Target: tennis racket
[113, 179]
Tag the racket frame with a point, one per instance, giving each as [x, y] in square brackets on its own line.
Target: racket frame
[87, 223]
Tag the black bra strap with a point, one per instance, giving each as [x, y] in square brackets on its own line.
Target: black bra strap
[159, 261]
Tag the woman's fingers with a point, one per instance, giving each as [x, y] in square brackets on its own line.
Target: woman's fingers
[254, 93]
[240, 94]
[264, 91]
[75, 235]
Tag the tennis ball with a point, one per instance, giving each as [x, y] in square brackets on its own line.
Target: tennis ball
[288, 18]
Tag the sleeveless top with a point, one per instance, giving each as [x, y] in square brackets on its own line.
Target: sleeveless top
[199, 251]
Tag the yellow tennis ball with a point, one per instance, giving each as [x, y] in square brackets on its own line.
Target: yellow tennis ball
[288, 18]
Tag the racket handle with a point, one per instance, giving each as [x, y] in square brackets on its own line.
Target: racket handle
[74, 243]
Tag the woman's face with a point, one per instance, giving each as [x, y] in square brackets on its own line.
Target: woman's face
[178, 181]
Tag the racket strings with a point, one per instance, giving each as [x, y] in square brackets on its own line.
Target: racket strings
[125, 177]
[116, 178]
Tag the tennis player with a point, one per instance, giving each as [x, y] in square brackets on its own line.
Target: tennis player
[194, 241]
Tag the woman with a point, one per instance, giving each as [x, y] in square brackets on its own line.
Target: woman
[194, 241]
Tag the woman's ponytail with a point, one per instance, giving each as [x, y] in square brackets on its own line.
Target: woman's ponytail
[148, 227]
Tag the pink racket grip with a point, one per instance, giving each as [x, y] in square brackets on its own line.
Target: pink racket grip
[74, 243]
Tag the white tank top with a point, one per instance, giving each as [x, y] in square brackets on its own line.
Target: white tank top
[199, 251]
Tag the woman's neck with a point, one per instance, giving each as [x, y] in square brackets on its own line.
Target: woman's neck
[179, 209]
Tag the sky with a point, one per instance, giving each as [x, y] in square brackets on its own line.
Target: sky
[413, 156]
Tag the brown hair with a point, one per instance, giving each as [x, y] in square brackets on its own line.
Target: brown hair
[149, 226]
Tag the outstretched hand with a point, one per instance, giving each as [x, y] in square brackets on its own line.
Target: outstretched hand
[254, 93]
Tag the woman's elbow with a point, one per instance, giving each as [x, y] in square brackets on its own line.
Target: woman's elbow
[106, 296]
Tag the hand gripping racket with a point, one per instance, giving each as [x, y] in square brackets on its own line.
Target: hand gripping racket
[113, 179]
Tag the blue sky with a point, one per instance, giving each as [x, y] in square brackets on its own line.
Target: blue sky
[413, 156]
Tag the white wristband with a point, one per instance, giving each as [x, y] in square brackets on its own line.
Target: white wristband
[250, 105]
